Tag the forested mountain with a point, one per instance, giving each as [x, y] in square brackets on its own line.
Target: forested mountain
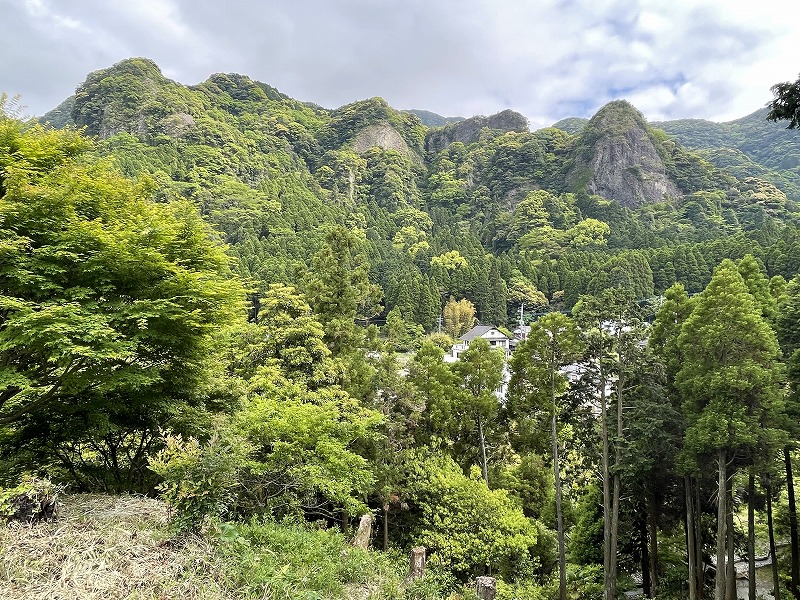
[746, 147]
[233, 299]
[480, 209]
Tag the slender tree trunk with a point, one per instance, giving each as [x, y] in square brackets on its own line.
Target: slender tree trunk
[776, 584]
[608, 590]
[562, 561]
[482, 438]
[615, 491]
[730, 572]
[691, 548]
[345, 522]
[612, 564]
[644, 564]
[722, 522]
[385, 526]
[652, 522]
[751, 536]
[787, 457]
[698, 540]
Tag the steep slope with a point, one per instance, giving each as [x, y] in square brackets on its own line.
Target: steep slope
[748, 147]
[482, 209]
[133, 97]
[468, 130]
[373, 123]
[617, 158]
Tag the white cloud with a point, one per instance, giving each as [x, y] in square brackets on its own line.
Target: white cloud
[547, 59]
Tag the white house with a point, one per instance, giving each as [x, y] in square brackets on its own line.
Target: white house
[495, 337]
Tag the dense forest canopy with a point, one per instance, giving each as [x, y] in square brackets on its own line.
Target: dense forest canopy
[245, 303]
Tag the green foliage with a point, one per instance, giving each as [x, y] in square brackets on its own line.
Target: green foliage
[288, 337]
[285, 560]
[537, 382]
[786, 104]
[122, 331]
[730, 375]
[200, 483]
[288, 451]
[338, 285]
[110, 301]
[305, 444]
[467, 526]
[586, 538]
[747, 147]
[131, 96]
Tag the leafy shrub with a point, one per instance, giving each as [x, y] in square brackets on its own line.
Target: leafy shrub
[468, 527]
[303, 440]
[288, 451]
[200, 483]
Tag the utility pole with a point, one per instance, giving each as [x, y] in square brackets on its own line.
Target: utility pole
[439, 323]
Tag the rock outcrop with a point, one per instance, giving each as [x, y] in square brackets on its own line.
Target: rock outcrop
[133, 96]
[617, 158]
[469, 130]
[383, 135]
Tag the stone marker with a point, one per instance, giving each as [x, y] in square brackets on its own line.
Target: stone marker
[364, 532]
[486, 588]
[417, 567]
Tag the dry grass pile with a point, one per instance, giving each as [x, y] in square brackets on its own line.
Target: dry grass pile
[106, 547]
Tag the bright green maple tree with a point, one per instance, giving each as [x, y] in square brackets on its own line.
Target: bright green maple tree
[108, 301]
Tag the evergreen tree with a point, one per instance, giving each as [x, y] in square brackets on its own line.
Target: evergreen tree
[338, 285]
[614, 332]
[480, 370]
[729, 378]
[538, 382]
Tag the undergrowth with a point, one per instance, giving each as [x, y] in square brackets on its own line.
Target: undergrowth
[114, 547]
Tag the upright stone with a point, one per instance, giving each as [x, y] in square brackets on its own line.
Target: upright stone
[364, 532]
[417, 567]
[486, 588]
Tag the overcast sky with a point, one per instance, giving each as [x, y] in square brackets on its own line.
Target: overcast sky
[547, 59]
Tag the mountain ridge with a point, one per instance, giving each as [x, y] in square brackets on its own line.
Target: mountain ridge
[483, 208]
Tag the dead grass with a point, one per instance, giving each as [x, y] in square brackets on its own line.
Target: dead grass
[106, 547]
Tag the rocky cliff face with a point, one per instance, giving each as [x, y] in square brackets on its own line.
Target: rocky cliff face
[468, 130]
[617, 158]
[383, 135]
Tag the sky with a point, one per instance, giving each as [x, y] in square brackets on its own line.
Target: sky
[547, 59]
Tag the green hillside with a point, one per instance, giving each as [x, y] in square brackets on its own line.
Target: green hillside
[273, 174]
[747, 147]
[249, 306]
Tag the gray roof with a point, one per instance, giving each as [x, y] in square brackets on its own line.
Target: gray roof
[478, 331]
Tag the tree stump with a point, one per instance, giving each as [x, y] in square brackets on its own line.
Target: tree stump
[364, 533]
[486, 588]
[417, 566]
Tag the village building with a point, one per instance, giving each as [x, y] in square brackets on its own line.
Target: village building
[495, 337]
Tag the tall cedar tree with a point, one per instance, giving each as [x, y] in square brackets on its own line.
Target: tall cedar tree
[538, 378]
[671, 316]
[788, 325]
[614, 333]
[730, 379]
